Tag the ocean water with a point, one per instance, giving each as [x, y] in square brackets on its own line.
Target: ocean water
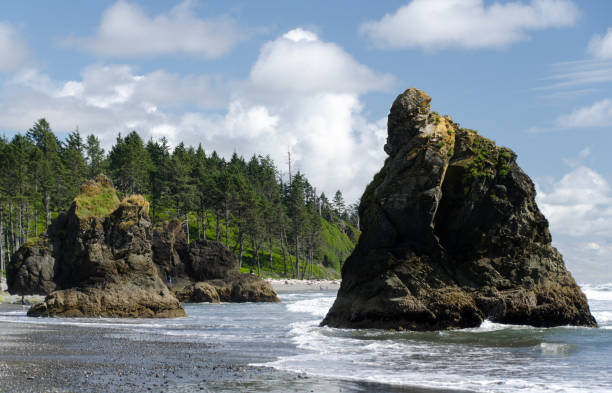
[490, 358]
[286, 336]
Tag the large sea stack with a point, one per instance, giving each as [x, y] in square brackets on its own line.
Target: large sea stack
[95, 260]
[451, 236]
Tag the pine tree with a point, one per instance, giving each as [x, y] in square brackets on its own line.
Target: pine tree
[297, 214]
[3, 197]
[17, 181]
[49, 165]
[182, 189]
[159, 153]
[339, 205]
[203, 183]
[74, 165]
[95, 157]
[129, 164]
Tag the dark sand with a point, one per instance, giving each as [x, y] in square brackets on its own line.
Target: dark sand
[56, 358]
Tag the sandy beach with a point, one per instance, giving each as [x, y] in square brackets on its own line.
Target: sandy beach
[292, 285]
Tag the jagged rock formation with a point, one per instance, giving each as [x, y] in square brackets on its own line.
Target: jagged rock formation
[95, 260]
[451, 235]
[204, 271]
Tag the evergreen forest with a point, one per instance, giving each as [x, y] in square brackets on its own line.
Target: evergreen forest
[278, 226]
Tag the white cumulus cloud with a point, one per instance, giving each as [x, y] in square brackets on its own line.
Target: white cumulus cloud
[302, 94]
[601, 46]
[107, 99]
[440, 24]
[599, 114]
[299, 62]
[579, 209]
[127, 31]
[14, 52]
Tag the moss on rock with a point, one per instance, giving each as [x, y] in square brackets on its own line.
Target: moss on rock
[98, 198]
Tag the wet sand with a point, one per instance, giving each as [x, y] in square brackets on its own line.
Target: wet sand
[68, 358]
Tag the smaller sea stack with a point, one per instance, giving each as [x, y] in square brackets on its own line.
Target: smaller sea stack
[95, 261]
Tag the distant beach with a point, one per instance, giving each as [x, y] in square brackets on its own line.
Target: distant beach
[279, 285]
[292, 285]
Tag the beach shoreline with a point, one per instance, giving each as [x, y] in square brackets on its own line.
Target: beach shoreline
[289, 285]
[56, 357]
[107, 355]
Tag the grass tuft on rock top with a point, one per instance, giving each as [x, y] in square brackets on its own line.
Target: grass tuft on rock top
[137, 200]
[96, 200]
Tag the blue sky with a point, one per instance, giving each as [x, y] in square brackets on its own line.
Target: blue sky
[318, 78]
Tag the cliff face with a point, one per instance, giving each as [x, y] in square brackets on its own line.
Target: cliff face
[95, 260]
[451, 235]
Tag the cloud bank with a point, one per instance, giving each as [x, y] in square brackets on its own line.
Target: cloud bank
[127, 31]
[466, 24]
[302, 94]
[599, 114]
[14, 52]
[579, 209]
[601, 46]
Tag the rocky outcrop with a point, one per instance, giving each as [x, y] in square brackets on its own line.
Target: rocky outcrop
[205, 271]
[208, 260]
[120, 300]
[95, 260]
[169, 249]
[32, 270]
[238, 288]
[197, 292]
[451, 235]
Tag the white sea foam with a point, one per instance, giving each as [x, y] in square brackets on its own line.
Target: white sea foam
[598, 292]
[554, 348]
[488, 326]
[603, 317]
[317, 306]
[16, 312]
[103, 323]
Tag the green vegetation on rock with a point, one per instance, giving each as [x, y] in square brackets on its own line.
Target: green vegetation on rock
[96, 199]
[489, 160]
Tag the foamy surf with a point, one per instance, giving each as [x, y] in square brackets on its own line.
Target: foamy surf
[597, 292]
[490, 358]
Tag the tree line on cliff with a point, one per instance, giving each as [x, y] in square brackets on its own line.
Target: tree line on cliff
[280, 225]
